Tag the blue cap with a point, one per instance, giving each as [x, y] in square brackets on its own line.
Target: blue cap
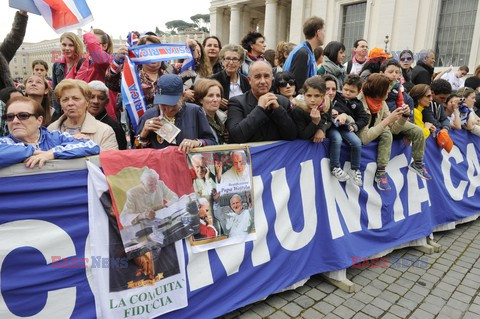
[170, 90]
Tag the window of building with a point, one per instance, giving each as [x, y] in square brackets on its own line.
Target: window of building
[353, 24]
[455, 32]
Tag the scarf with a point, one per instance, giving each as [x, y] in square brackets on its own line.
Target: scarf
[334, 69]
[374, 105]
[354, 60]
[312, 64]
[255, 58]
[219, 127]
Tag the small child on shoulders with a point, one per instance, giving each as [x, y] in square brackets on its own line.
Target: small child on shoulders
[348, 116]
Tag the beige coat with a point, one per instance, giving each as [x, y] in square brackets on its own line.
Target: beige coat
[99, 132]
[369, 134]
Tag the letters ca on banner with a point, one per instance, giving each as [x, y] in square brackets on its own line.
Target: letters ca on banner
[222, 181]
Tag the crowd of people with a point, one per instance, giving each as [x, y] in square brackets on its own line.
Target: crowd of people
[236, 94]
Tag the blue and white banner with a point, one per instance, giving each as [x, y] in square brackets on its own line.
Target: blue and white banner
[132, 92]
[306, 223]
[156, 52]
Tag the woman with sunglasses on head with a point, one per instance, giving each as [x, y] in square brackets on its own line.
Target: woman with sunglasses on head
[285, 85]
[406, 60]
[422, 96]
[232, 80]
[32, 143]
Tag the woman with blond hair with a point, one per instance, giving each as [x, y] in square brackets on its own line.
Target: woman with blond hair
[69, 63]
[74, 97]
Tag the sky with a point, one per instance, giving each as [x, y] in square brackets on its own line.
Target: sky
[116, 18]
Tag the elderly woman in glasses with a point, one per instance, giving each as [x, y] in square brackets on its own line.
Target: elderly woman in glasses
[32, 143]
[74, 97]
[232, 80]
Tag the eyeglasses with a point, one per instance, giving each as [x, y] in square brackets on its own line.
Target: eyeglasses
[284, 83]
[22, 116]
[406, 59]
[229, 60]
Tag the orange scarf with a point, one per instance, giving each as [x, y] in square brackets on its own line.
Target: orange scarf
[373, 104]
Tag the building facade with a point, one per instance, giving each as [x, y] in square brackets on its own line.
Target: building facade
[446, 26]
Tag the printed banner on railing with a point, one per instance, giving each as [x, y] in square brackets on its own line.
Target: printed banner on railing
[146, 286]
[153, 198]
[306, 222]
[222, 180]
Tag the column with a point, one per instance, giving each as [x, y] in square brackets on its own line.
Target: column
[282, 22]
[234, 24]
[271, 26]
[296, 21]
[261, 26]
[216, 22]
[246, 21]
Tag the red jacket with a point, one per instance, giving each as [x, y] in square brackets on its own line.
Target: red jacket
[94, 68]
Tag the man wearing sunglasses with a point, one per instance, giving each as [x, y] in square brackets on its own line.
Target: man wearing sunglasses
[32, 143]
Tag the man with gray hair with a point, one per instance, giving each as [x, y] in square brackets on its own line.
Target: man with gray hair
[145, 198]
[259, 115]
[422, 73]
[97, 108]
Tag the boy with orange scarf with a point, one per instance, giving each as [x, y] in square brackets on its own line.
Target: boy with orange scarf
[383, 123]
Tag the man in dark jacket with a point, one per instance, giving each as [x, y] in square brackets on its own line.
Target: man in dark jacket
[9, 47]
[98, 102]
[435, 114]
[259, 115]
[422, 73]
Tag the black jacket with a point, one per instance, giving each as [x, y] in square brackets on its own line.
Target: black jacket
[422, 74]
[9, 47]
[435, 114]
[117, 128]
[353, 108]
[306, 128]
[224, 80]
[248, 122]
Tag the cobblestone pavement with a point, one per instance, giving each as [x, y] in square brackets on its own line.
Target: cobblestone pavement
[447, 287]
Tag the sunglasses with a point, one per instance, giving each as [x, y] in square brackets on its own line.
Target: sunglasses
[22, 116]
[406, 59]
[284, 83]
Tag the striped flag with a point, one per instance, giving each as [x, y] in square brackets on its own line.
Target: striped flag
[64, 15]
[132, 93]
